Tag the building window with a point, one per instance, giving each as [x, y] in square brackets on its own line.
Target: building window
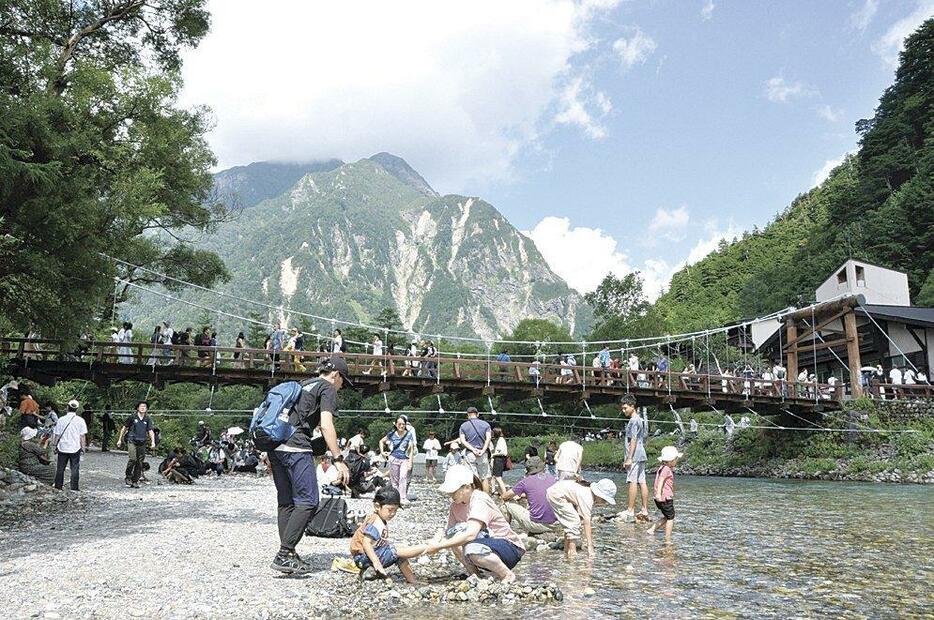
[860, 276]
[841, 277]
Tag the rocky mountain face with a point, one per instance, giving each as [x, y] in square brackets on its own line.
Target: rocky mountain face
[353, 239]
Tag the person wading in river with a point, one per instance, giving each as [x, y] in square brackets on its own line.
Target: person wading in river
[293, 464]
[635, 456]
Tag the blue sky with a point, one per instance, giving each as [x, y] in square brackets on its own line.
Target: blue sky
[622, 134]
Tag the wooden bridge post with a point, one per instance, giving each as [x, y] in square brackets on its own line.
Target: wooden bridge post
[792, 358]
[852, 352]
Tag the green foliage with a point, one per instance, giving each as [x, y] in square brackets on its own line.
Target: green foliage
[96, 157]
[536, 330]
[9, 448]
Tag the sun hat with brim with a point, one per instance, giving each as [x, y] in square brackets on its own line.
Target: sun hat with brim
[534, 465]
[670, 453]
[28, 433]
[73, 404]
[456, 477]
[605, 489]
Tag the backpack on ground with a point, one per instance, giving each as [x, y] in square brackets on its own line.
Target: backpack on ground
[330, 520]
[270, 425]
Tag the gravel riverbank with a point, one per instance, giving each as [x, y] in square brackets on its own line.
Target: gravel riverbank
[203, 551]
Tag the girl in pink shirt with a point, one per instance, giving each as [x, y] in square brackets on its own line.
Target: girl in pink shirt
[664, 491]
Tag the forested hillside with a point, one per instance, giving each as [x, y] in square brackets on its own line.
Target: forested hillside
[878, 206]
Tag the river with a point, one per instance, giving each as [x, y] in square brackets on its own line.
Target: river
[758, 548]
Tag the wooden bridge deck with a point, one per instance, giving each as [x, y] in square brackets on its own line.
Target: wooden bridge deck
[48, 361]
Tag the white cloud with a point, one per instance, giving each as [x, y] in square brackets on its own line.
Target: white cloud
[828, 113]
[707, 10]
[861, 18]
[821, 175]
[892, 42]
[580, 105]
[634, 49]
[779, 90]
[670, 224]
[711, 242]
[584, 256]
[458, 89]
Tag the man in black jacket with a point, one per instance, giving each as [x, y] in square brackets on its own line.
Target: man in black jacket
[293, 463]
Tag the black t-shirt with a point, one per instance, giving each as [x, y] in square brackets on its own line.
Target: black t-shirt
[317, 395]
[138, 430]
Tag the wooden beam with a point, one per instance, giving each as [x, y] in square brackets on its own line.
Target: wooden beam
[792, 361]
[823, 324]
[823, 345]
[852, 352]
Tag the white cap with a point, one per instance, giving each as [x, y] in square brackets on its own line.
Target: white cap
[456, 477]
[605, 489]
[73, 404]
[28, 433]
[670, 453]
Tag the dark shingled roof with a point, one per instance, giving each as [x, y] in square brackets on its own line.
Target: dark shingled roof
[915, 315]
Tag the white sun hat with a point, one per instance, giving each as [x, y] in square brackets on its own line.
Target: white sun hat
[670, 453]
[456, 477]
[605, 489]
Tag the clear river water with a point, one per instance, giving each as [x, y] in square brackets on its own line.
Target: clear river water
[755, 548]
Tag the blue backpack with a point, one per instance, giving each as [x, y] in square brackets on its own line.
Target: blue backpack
[270, 425]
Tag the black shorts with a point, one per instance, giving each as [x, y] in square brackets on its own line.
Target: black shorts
[667, 509]
[499, 465]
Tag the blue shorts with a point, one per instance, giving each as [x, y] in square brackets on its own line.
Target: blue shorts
[386, 554]
[505, 550]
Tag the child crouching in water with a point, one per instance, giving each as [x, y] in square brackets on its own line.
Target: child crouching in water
[370, 544]
[664, 490]
[573, 504]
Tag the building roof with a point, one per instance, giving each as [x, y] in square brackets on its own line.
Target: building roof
[915, 315]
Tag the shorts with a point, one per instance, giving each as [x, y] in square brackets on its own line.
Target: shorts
[431, 461]
[667, 508]
[504, 550]
[386, 554]
[499, 465]
[479, 465]
[636, 472]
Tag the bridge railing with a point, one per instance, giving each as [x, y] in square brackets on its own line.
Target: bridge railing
[427, 369]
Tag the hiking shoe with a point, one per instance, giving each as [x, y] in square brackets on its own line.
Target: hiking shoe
[134, 485]
[345, 565]
[128, 483]
[289, 564]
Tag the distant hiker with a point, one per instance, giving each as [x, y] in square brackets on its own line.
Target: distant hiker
[337, 342]
[636, 432]
[431, 447]
[107, 428]
[203, 434]
[370, 546]
[138, 430]
[693, 427]
[292, 346]
[155, 340]
[69, 441]
[28, 411]
[664, 490]
[476, 436]
[504, 359]
[430, 355]
[168, 339]
[239, 345]
[293, 463]
[550, 450]
[500, 458]
[377, 363]
[535, 371]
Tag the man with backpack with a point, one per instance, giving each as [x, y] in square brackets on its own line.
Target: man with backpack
[292, 460]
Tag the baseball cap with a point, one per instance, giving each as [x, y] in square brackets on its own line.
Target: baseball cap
[472, 410]
[337, 363]
[455, 477]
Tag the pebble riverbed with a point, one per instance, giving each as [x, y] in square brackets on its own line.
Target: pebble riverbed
[203, 551]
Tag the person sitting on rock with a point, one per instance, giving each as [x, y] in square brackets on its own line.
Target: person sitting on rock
[538, 518]
[481, 538]
[34, 459]
[370, 546]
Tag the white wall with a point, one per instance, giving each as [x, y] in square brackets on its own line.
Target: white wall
[879, 286]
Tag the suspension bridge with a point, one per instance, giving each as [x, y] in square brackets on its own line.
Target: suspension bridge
[103, 363]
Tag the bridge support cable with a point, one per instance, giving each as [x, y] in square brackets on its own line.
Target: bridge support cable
[887, 337]
[805, 420]
[678, 421]
[540, 408]
[589, 410]
[764, 419]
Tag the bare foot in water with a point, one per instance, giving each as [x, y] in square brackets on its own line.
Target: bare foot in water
[508, 578]
[650, 531]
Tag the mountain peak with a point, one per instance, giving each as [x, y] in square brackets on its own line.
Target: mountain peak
[399, 168]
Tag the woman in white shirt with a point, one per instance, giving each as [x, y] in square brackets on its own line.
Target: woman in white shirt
[500, 453]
